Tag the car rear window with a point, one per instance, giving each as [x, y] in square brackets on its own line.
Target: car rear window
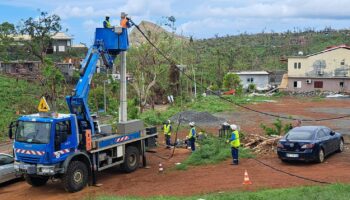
[300, 135]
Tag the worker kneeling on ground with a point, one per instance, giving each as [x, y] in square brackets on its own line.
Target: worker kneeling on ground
[235, 143]
[192, 136]
[167, 133]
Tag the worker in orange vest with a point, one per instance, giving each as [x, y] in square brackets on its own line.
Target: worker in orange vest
[124, 20]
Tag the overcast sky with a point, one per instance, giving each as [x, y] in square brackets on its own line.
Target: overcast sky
[199, 18]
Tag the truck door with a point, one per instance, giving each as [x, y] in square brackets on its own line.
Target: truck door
[65, 140]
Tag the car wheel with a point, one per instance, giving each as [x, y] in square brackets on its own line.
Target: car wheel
[320, 157]
[341, 146]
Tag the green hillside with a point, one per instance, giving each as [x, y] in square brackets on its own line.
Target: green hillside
[264, 51]
[15, 96]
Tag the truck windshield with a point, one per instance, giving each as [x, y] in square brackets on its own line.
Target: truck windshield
[33, 132]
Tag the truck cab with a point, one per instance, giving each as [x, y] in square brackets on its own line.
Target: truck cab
[45, 141]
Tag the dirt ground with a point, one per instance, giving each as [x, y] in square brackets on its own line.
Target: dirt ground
[215, 178]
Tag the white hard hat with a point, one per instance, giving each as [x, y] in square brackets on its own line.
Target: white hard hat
[233, 126]
[169, 121]
[191, 123]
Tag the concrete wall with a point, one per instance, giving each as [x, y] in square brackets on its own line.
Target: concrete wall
[329, 84]
[261, 81]
[329, 62]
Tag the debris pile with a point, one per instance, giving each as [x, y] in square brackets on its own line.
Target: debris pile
[200, 118]
[316, 93]
[261, 144]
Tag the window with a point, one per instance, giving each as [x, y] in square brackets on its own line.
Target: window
[318, 84]
[62, 127]
[300, 135]
[5, 160]
[342, 62]
[295, 65]
[33, 132]
[341, 84]
[250, 80]
[297, 84]
[54, 48]
[299, 65]
[321, 134]
[68, 43]
[61, 48]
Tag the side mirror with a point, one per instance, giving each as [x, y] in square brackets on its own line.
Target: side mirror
[10, 131]
[332, 133]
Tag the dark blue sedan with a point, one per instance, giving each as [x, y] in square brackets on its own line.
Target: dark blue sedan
[309, 143]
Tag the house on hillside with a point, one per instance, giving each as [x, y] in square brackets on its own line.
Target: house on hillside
[328, 70]
[60, 41]
[259, 78]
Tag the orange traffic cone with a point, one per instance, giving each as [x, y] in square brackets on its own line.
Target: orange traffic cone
[160, 168]
[246, 180]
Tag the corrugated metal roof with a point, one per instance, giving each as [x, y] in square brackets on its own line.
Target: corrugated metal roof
[251, 73]
[61, 36]
[344, 46]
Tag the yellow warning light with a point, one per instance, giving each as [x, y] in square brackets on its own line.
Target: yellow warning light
[43, 106]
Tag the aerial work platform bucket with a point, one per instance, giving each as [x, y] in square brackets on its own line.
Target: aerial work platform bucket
[114, 39]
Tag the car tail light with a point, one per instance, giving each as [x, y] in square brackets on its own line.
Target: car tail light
[279, 145]
[307, 146]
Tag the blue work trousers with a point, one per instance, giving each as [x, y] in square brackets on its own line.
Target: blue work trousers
[234, 152]
[193, 143]
[167, 140]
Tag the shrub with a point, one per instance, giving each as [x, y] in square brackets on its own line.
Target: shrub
[278, 128]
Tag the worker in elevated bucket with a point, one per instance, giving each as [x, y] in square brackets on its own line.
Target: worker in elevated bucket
[234, 143]
[167, 133]
[106, 23]
[124, 20]
[192, 136]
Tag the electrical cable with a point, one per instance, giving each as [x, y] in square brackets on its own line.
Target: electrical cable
[291, 174]
[173, 63]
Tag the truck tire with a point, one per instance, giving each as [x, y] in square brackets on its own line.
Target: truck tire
[36, 181]
[76, 176]
[132, 159]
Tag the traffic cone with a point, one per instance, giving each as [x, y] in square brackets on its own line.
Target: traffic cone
[246, 180]
[160, 168]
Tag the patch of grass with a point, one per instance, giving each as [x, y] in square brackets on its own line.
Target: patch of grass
[210, 104]
[181, 167]
[213, 150]
[334, 191]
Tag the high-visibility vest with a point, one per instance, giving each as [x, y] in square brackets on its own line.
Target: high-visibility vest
[167, 129]
[108, 24]
[124, 23]
[190, 135]
[235, 143]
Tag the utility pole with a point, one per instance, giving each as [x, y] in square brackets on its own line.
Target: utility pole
[194, 82]
[104, 96]
[123, 115]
